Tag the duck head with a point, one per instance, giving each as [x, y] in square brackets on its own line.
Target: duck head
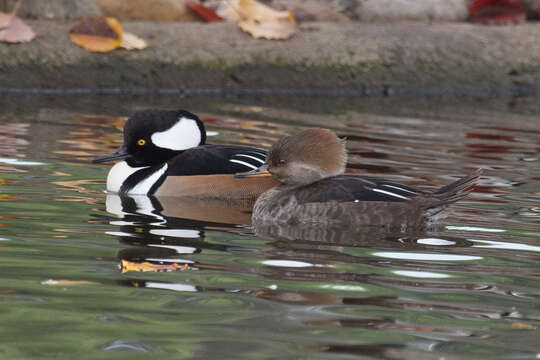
[304, 158]
[152, 137]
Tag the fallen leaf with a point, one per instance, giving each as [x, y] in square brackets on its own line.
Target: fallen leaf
[132, 42]
[253, 10]
[518, 325]
[14, 30]
[228, 12]
[270, 30]
[68, 282]
[261, 21]
[497, 12]
[204, 12]
[97, 33]
[145, 266]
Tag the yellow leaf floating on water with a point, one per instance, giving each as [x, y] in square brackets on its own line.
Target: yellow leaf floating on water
[145, 266]
[132, 42]
[97, 33]
[261, 21]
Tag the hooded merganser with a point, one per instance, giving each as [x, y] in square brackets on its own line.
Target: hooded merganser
[164, 154]
[314, 189]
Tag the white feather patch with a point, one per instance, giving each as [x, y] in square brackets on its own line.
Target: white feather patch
[118, 174]
[146, 184]
[390, 193]
[251, 157]
[183, 135]
[400, 188]
[243, 163]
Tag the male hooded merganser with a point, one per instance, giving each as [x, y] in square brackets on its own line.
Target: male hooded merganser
[314, 189]
[164, 154]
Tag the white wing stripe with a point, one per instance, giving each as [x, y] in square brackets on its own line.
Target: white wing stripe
[398, 188]
[251, 157]
[244, 163]
[390, 193]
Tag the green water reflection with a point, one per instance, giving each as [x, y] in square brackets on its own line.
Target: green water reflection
[89, 276]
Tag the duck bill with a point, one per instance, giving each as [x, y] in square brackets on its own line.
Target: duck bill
[120, 154]
[259, 172]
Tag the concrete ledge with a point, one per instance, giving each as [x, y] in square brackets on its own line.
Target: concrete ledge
[362, 59]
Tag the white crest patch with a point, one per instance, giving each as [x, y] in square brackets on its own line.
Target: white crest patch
[183, 135]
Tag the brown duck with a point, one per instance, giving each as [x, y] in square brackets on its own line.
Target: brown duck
[314, 189]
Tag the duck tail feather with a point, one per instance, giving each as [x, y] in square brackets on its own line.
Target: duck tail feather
[458, 189]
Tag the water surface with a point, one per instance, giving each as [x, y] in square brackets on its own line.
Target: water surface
[90, 275]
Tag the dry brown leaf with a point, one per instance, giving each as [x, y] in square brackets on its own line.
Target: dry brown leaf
[227, 11]
[132, 42]
[14, 30]
[270, 30]
[97, 33]
[259, 20]
[204, 12]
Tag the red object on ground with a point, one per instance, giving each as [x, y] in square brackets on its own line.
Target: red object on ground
[204, 12]
[501, 12]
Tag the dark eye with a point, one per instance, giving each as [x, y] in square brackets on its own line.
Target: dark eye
[282, 162]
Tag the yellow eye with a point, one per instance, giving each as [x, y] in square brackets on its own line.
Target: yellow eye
[141, 142]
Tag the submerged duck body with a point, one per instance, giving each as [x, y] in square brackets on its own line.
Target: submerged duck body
[165, 154]
[314, 189]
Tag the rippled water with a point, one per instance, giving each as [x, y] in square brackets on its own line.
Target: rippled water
[93, 276]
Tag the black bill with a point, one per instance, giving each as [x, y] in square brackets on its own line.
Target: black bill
[120, 154]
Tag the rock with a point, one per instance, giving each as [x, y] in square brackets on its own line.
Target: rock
[418, 10]
[533, 8]
[311, 10]
[155, 10]
[52, 9]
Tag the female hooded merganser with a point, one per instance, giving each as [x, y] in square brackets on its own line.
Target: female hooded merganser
[314, 189]
[164, 154]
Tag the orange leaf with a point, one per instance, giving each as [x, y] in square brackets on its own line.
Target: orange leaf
[270, 30]
[204, 12]
[148, 266]
[14, 30]
[261, 21]
[253, 10]
[97, 33]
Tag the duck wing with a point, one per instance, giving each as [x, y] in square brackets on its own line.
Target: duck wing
[216, 159]
[354, 188]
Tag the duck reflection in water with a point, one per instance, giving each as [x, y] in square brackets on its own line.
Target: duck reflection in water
[159, 241]
[161, 231]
